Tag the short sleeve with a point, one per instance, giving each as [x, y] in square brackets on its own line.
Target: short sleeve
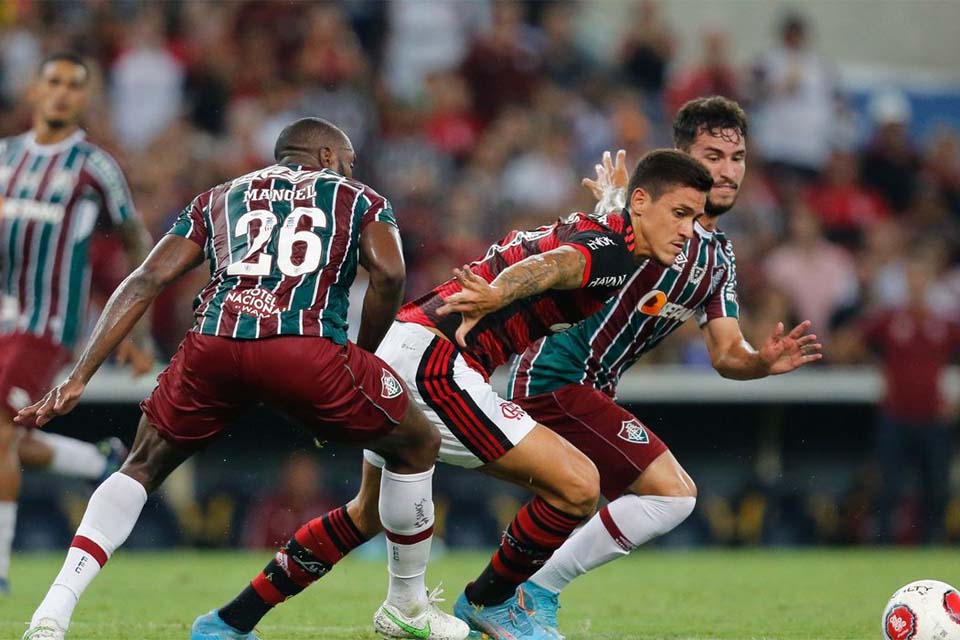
[191, 224]
[108, 180]
[609, 261]
[723, 301]
[378, 209]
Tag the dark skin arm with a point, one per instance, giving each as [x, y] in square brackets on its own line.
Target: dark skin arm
[137, 350]
[172, 257]
[382, 256]
[560, 268]
[734, 358]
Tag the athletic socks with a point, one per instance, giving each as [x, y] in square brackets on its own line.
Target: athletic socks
[111, 514]
[532, 536]
[616, 530]
[8, 525]
[72, 457]
[406, 511]
[304, 559]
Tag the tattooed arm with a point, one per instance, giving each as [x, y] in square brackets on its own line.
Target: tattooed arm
[561, 268]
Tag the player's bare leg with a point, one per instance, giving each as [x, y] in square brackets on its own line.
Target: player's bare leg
[10, 436]
[661, 497]
[111, 514]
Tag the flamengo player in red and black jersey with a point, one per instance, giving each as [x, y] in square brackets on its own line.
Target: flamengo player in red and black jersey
[54, 188]
[283, 244]
[529, 284]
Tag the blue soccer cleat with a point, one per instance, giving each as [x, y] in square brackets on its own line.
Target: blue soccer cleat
[506, 621]
[115, 452]
[543, 605]
[210, 626]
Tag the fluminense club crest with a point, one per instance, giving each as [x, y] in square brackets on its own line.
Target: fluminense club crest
[633, 431]
[391, 386]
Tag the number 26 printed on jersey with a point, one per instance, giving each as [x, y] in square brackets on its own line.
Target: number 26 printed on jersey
[258, 262]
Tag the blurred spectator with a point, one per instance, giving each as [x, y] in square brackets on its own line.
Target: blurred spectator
[647, 50]
[793, 93]
[565, 63]
[817, 276]
[541, 179]
[502, 67]
[449, 125]
[845, 208]
[914, 343]
[712, 76]
[942, 166]
[146, 84]
[891, 164]
[275, 517]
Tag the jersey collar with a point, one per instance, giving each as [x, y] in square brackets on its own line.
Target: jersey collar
[52, 149]
[703, 233]
[628, 236]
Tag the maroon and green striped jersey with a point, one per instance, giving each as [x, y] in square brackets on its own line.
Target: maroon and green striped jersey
[701, 283]
[606, 241]
[283, 244]
[52, 198]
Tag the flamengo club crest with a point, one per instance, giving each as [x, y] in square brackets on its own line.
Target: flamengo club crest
[632, 431]
[391, 387]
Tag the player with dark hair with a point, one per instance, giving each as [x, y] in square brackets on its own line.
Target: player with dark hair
[284, 243]
[55, 187]
[649, 492]
[446, 344]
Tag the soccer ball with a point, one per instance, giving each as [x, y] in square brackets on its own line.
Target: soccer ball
[922, 610]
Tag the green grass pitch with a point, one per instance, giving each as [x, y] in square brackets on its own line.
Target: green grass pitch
[765, 594]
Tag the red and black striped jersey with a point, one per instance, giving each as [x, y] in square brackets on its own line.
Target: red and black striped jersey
[606, 241]
[283, 244]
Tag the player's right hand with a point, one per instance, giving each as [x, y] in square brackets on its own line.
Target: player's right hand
[58, 402]
[610, 175]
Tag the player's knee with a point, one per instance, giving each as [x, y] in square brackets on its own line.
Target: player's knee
[581, 489]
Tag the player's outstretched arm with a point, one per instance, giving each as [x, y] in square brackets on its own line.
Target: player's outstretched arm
[560, 268]
[382, 256]
[172, 257]
[733, 357]
[137, 350]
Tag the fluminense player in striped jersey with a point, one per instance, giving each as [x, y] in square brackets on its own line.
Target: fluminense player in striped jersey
[568, 382]
[54, 188]
[284, 244]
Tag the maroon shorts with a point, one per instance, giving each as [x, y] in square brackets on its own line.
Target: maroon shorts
[620, 445]
[338, 392]
[28, 366]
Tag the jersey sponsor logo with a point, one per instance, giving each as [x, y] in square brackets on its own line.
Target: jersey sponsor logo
[608, 281]
[390, 385]
[512, 411]
[560, 326]
[951, 604]
[633, 431]
[600, 241]
[280, 194]
[900, 623]
[32, 210]
[652, 302]
[256, 302]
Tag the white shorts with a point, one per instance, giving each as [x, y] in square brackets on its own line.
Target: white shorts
[477, 425]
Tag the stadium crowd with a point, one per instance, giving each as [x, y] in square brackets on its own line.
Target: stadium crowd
[475, 118]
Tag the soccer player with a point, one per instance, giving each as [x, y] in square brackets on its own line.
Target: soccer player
[446, 343]
[54, 188]
[649, 492]
[283, 243]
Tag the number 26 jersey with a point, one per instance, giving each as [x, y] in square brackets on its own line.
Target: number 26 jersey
[283, 244]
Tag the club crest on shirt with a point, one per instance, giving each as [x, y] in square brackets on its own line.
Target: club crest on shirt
[718, 272]
[633, 431]
[696, 274]
[391, 386]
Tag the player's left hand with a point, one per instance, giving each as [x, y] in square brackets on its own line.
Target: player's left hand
[59, 401]
[610, 175]
[783, 353]
[476, 299]
[138, 355]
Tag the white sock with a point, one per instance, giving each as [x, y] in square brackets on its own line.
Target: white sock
[614, 531]
[72, 457]
[112, 512]
[406, 511]
[8, 525]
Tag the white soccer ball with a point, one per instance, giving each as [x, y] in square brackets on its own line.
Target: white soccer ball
[922, 610]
